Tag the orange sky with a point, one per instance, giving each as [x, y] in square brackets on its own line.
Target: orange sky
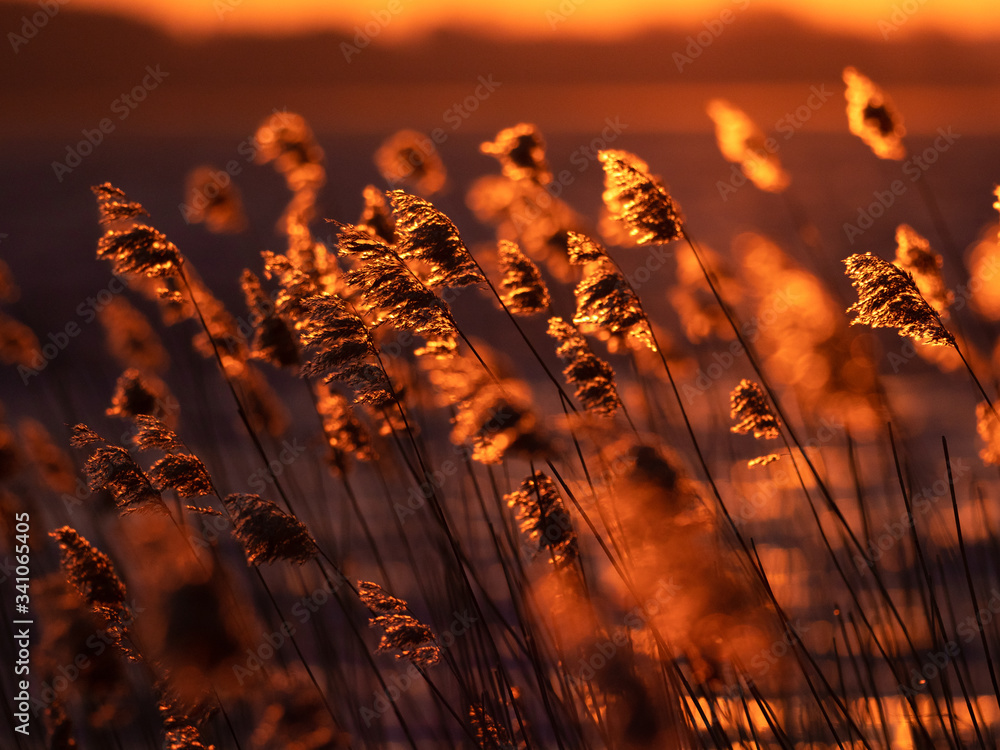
[541, 17]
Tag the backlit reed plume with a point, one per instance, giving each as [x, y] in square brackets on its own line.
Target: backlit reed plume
[212, 198]
[111, 468]
[490, 734]
[273, 341]
[403, 632]
[889, 298]
[340, 348]
[742, 142]
[639, 200]
[593, 377]
[410, 158]
[376, 215]
[872, 117]
[345, 436]
[915, 256]
[521, 152]
[605, 303]
[267, 533]
[130, 338]
[426, 235]
[752, 412]
[92, 574]
[391, 292]
[52, 464]
[114, 205]
[137, 394]
[524, 290]
[179, 470]
[544, 519]
[140, 249]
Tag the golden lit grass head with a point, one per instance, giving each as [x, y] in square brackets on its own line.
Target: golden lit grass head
[410, 158]
[752, 412]
[138, 394]
[544, 519]
[593, 377]
[130, 337]
[113, 204]
[889, 298]
[425, 234]
[521, 152]
[273, 340]
[403, 632]
[376, 216]
[525, 292]
[742, 142]
[872, 117]
[286, 139]
[267, 533]
[638, 199]
[111, 468]
[91, 572]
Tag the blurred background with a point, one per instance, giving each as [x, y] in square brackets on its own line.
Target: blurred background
[176, 85]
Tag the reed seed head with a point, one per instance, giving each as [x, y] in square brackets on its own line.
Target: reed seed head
[639, 200]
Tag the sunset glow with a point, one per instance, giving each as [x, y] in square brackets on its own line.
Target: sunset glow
[604, 18]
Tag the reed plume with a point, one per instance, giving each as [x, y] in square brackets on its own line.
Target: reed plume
[525, 292]
[402, 631]
[742, 142]
[490, 734]
[638, 200]
[18, 343]
[605, 303]
[410, 157]
[114, 205]
[345, 436]
[426, 235]
[54, 467]
[988, 429]
[137, 394]
[340, 348]
[872, 117]
[390, 290]
[92, 574]
[141, 249]
[111, 468]
[268, 534]
[593, 377]
[521, 152]
[752, 412]
[544, 518]
[889, 298]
